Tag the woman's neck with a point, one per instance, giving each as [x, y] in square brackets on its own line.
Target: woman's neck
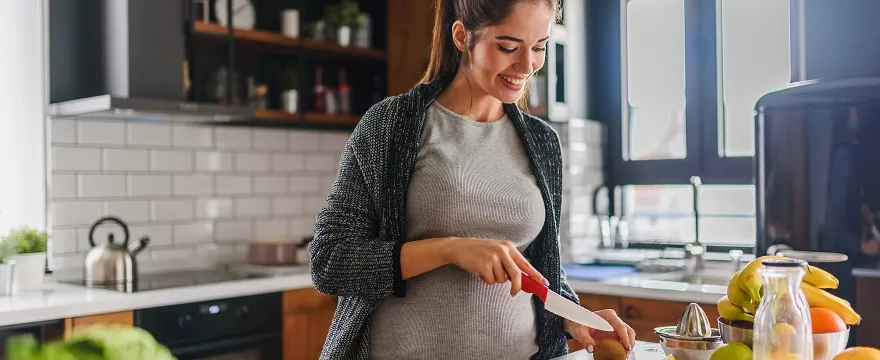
[462, 96]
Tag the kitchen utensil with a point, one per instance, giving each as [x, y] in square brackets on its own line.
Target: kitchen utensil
[692, 338]
[825, 346]
[273, 252]
[563, 307]
[290, 23]
[112, 263]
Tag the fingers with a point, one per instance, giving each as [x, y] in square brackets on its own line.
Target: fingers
[500, 272]
[632, 336]
[621, 329]
[514, 273]
[526, 267]
[581, 333]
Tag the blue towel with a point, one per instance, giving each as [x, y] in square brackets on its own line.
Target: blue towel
[596, 272]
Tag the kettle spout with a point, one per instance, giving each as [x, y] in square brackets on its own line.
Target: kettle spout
[140, 246]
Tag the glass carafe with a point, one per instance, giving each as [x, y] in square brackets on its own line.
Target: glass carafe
[782, 323]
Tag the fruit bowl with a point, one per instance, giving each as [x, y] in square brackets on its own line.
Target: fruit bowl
[825, 346]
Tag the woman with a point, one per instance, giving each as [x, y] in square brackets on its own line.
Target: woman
[444, 195]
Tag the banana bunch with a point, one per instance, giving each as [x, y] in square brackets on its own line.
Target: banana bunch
[745, 289]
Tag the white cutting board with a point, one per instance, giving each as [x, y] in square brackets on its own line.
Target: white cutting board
[643, 351]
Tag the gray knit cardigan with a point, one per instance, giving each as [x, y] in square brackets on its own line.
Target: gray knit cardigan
[355, 254]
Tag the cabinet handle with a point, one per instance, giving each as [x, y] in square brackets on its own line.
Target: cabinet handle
[630, 312]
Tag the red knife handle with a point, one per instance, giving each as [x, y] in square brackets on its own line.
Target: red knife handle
[529, 285]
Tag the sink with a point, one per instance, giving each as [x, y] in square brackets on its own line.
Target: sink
[703, 277]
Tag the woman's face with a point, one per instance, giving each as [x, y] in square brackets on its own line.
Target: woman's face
[506, 54]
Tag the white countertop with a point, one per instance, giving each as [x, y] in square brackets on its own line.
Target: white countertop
[60, 300]
[651, 289]
[865, 272]
[643, 351]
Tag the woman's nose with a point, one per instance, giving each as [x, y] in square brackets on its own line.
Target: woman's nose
[526, 63]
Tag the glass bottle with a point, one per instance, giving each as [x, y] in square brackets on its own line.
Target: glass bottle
[782, 323]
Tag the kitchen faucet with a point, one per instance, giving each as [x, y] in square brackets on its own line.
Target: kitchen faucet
[695, 250]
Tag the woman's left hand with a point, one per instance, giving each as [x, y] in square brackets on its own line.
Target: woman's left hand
[588, 336]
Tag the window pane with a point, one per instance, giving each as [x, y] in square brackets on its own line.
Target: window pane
[755, 60]
[655, 80]
[664, 213]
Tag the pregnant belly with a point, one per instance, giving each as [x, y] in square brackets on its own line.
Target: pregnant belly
[450, 313]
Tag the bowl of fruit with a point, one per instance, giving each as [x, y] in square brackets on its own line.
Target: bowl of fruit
[830, 316]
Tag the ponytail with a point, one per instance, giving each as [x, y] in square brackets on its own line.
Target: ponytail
[445, 56]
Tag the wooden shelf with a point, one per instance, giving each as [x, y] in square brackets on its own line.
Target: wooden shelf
[274, 114]
[332, 119]
[276, 41]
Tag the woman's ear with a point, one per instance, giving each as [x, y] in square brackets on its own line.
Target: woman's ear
[459, 35]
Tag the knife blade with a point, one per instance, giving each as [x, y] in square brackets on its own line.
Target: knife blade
[563, 307]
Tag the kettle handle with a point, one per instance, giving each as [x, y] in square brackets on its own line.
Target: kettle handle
[103, 220]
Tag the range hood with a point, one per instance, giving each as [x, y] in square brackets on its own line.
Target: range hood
[124, 59]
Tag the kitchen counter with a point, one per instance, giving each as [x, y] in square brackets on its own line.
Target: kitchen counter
[60, 300]
[865, 272]
[643, 351]
[651, 289]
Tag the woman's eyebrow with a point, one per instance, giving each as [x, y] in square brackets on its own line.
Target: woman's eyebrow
[511, 38]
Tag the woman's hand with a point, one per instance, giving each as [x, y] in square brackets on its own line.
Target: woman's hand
[588, 336]
[495, 261]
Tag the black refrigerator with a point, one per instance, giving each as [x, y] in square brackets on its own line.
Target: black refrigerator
[817, 163]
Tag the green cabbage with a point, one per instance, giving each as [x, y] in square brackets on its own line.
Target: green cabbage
[102, 342]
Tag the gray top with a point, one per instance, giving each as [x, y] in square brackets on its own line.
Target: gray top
[471, 179]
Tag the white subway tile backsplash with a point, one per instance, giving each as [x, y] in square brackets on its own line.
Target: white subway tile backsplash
[286, 206]
[252, 207]
[101, 132]
[70, 263]
[63, 131]
[177, 253]
[100, 185]
[303, 226]
[321, 163]
[233, 231]
[303, 140]
[128, 211]
[76, 159]
[100, 236]
[170, 160]
[192, 136]
[125, 160]
[193, 185]
[327, 183]
[305, 184]
[270, 139]
[194, 233]
[213, 161]
[251, 162]
[214, 208]
[233, 138]
[287, 162]
[159, 235]
[149, 134]
[271, 229]
[314, 205]
[63, 241]
[149, 185]
[172, 210]
[63, 186]
[270, 184]
[75, 213]
[233, 185]
[334, 142]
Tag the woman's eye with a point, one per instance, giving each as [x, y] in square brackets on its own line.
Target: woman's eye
[506, 50]
[539, 49]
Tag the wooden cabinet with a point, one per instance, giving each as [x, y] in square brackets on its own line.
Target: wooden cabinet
[121, 318]
[410, 27]
[307, 317]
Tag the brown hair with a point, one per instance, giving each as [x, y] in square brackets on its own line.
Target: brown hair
[475, 15]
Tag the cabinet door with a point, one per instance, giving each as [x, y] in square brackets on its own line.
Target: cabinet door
[410, 26]
[120, 318]
[307, 318]
[645, 314]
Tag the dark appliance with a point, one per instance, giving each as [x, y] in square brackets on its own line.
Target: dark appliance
[43, 332]
[818, 173]
[167, 280]
[242, 328]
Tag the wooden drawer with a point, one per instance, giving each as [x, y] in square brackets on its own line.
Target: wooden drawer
[600, 302]
[305, 333]
[307, 300]
[660, 311]
[120, 318]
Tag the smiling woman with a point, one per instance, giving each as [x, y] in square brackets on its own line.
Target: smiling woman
[445, 196]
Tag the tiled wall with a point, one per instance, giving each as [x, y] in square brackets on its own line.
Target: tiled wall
[583, 153]
[198, 192]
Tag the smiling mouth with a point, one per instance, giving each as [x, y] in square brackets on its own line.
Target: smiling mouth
[513, 81]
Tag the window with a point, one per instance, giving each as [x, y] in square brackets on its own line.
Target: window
[690, 74]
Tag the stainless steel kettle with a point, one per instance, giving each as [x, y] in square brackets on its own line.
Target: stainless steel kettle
[111, 263]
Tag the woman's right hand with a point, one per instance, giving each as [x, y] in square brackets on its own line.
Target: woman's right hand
[494, 261]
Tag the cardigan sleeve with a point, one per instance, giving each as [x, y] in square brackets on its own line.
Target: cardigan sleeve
[348, 255]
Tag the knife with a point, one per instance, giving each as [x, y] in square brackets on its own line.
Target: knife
[563, 307]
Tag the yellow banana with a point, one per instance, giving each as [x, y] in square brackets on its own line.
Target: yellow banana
[739, 297]
[820, 278]
[731, 312]
[749, 278]
[818, 298]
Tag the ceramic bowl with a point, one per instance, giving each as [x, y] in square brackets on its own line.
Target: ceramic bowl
[825, 346]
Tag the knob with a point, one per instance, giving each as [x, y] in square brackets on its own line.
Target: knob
[183, 320]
